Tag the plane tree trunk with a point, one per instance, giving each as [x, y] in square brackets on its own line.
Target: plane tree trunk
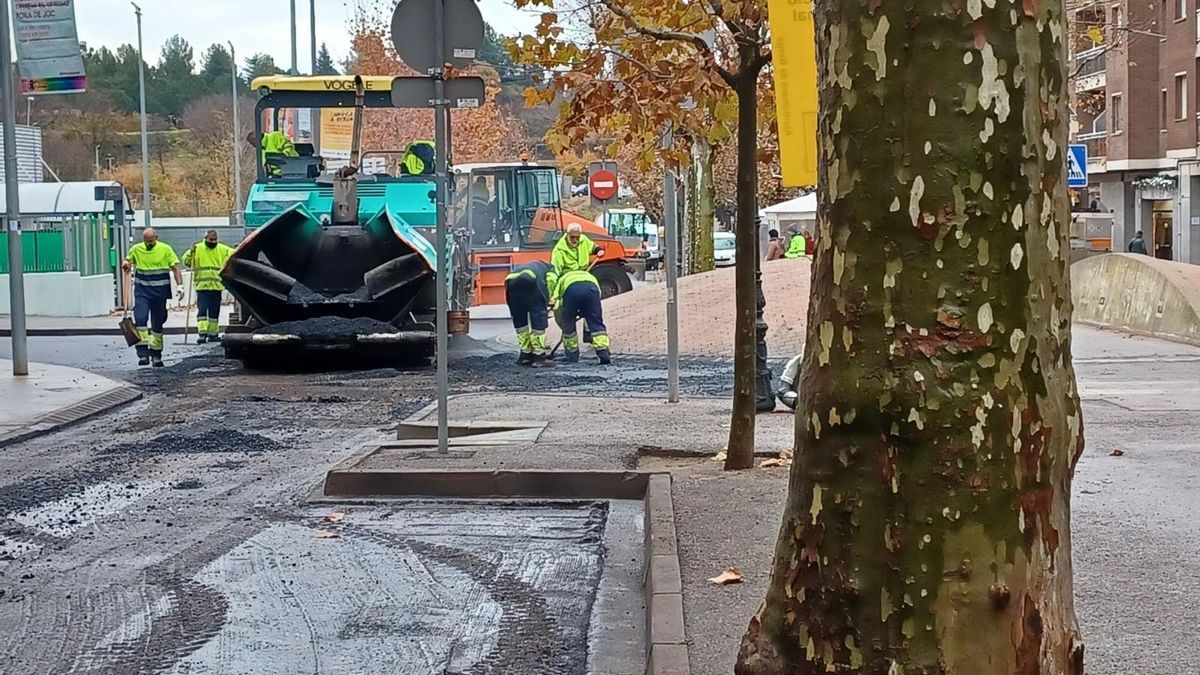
[927, 527]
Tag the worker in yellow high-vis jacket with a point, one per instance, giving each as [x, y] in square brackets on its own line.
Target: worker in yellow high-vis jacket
[153, 263]
[206, 259]
[576, 296]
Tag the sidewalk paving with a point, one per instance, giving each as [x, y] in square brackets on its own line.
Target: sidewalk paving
[54, 396]
[1139, 396]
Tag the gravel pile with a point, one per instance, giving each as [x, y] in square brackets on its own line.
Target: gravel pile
[328, 328]
[208, 442]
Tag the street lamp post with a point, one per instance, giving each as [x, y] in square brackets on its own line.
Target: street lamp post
[764, 400]
[237, 155]
[29, 111]
[295, 68]
[142, 101]
[12, 194]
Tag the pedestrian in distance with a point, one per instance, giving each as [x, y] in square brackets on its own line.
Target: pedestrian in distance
[797, 246]
[1138, 244]
[576, 296]
[775, 247]
[153, 263]
[206, 259]
[527, 293]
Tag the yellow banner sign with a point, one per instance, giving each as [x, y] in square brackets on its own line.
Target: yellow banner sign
[794, 58]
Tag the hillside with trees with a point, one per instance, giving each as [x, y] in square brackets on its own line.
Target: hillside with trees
[95, 135]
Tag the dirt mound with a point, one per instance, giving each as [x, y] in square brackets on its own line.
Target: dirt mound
[637, 320]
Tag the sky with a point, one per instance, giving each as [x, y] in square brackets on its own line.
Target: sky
[252, 25]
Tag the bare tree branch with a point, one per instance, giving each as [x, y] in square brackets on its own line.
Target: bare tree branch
[695, 40]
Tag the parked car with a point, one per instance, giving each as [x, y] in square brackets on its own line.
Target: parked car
[724, 246]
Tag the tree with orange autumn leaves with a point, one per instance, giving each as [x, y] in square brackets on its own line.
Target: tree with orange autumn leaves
[484, 134]
[627, 70]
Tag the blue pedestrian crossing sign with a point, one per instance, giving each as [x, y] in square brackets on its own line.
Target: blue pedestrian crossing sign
[1077, 166]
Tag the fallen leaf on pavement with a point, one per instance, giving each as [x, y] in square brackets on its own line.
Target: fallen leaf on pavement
[731, 575]
[326, 534]
[773, 462]
[334, 517]
[720, 456]
[1117, 453]
[787, 454]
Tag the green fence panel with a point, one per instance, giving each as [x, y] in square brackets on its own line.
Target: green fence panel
[41, 251]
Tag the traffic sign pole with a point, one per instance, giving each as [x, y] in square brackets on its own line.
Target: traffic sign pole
[16, 278]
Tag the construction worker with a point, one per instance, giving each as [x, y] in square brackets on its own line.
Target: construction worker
[272, 142]
[797, 246]
[153, 264]
[577, 296]
[206, 259]
[418, 158]
[527, 292]
[573, 252]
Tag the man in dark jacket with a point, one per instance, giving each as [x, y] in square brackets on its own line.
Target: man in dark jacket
[1138, 244]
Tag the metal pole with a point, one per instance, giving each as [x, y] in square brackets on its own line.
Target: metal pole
[238, 214]
[97, 162]
[764, 400]
[671, 224]
[441, 170]
[29, 111]
[312, 32]
[142, 101]
[295, 70]
[12, 193]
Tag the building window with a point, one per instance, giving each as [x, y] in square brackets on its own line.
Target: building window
[1116, 120]
[1180, 96]
[1181, 10]
[1162, 111]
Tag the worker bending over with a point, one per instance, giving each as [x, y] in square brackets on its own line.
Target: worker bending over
[527, 292]
[574, 251]
[153, 264]
[206, 259]
[577, 296]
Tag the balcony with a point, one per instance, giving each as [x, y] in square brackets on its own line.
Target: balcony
[1088, 69]
[1097, 145]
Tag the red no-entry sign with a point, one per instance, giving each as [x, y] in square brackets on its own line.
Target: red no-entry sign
[602, 185]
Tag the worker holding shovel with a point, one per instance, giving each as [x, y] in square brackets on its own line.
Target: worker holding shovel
[206, 259]
[153, 263]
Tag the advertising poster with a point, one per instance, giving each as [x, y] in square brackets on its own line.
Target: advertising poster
[48, 57]
[337, 136]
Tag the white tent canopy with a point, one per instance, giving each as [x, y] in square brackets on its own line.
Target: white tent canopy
[46, 199]
[800, 208]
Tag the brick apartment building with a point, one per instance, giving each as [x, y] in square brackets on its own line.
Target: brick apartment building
[1136, 93]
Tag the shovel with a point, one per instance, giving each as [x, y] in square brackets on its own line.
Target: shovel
[129, 330]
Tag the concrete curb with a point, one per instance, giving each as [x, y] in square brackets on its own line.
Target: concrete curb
[666, 640]
[71, 414]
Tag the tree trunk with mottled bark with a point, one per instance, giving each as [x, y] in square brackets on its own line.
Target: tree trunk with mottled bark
[927, 527]
[740, 450]
[703, 207]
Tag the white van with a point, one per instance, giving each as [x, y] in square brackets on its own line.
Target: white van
[724, 247]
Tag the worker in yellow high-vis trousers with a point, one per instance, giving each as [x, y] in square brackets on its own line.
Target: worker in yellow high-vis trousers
[577, 296]
[206, 259]
[153, 263]
[526, 291]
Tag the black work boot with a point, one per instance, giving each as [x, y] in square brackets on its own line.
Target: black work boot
[525, 359]
[571, 357]
[156, 361]
[202, 339]
[604, 356]
[143, 360]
